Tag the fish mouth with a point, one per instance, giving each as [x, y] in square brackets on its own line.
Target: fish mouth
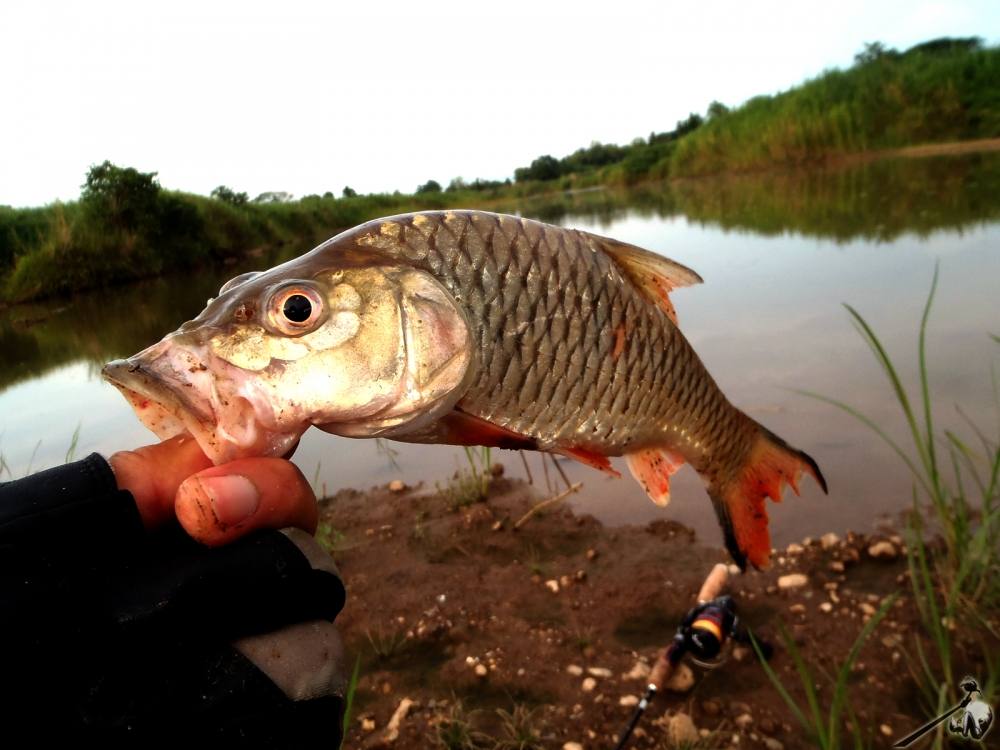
[176, 390]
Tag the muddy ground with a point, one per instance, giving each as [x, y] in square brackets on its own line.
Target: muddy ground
[547, 631]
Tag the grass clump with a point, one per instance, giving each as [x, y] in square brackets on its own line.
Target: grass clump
[953, 532]
[470, 484]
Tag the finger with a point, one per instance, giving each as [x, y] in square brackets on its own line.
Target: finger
[153, 473]
[225, 502]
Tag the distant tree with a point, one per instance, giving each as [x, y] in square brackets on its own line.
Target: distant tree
[717, 109]
[948, 44]
[871, 52]
[227, 195]
[456, 184]
[121, 196]
[274, 196]
[431, 186]
[349, 192]
[543, 168]
[327, 195]
[693, 122]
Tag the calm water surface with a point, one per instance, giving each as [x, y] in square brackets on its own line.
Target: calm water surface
[779, 256]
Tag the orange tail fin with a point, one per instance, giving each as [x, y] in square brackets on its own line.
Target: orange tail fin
[739, 502]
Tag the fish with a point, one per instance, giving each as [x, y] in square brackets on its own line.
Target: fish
[467, 327]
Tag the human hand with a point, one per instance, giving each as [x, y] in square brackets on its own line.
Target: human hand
[214, 504]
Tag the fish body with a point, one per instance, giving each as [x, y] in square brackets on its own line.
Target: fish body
[468, 327]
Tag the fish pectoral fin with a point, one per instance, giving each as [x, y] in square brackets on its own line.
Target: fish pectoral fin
[654, 275]
[590, 458]
[461, 428]
[652, 468]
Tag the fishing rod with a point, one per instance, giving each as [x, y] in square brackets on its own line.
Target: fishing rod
[703, 633]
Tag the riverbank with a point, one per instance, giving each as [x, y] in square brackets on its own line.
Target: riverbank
[471, 632]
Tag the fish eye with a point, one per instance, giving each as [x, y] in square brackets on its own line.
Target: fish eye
[295, 310]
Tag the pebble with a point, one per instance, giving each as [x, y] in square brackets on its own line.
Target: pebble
[867, 608]
[743, 721]
[740, 653]
[767, 726]
[711, 708]
[883, 550]
[792, 581]
[772, 744]
[481, 670]
[795, 549]
[829, 540]
[628, 700]
[681, 680]
[580, 576]
[640, 671]
[734, 570]
[588, 684]
[575, 669]
[885, 729]
[553, 585]
[797, 609]
[564, 581]
[397, 485]
[497, 525]
[836, 566]
[826, 607]
[392, 728]
[367, 724]
[681, 730]
[601, 672]
[572, 746]
[592, 554]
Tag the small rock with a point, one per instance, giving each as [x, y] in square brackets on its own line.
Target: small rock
[836, 566]
[826, 607]
[772, 744]
[867, 608]
[628, 700]
[601, 672]
[367, 724]
[553, 585]
[792, 581]
[592, 554]
[640, 671]
[883, 550]
[885, 729]
[564, 581]
[711, 708]
[851, 555]
[795, 549]
[892, 640]
[580, 576]
[572, 746]
[481, 670]
[797, 609]
[681, 730]
[767, 726]
[829, 540]
[734, 570]
[392, 728]
[397, 485]
[575, 669]
[681, 680]
[807, 541]
[588, 684]
[743, 721]
[497, 525]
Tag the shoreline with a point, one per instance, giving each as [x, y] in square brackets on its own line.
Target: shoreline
[459, 616]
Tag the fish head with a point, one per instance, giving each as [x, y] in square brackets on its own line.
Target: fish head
[360, 349]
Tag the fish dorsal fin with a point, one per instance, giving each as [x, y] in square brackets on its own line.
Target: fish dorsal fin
[653, 274]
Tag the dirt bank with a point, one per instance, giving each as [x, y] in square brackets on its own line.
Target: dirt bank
[554, 623]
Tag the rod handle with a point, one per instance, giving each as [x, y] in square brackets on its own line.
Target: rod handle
[713, 585]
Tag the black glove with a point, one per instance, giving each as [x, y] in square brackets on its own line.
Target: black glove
[118, 634]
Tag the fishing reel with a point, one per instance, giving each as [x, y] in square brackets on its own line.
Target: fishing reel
[706, 633]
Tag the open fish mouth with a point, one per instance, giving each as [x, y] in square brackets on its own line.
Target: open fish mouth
[173, 392]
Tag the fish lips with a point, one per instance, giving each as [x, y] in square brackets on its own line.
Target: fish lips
[173, 391]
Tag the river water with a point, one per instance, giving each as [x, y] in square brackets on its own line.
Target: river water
[780, 254]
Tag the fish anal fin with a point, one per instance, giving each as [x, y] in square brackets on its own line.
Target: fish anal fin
[590, 458]
[740, 505]
[652, 468]
[654, 275]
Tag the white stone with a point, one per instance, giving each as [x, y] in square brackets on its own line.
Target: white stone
[553, 585]
[574, 669]
[792, 581]
[681, 730]
[628, 700]
[588, 684]
[600, 672]
[883, 550]
[829, 540]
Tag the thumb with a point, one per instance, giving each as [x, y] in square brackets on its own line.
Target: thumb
[223, 503]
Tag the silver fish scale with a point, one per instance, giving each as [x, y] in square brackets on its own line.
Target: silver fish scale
[549, 307]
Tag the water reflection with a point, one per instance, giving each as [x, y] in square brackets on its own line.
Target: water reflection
[779, 253]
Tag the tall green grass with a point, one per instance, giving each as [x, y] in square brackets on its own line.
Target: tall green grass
[953, 534]
[824, 723]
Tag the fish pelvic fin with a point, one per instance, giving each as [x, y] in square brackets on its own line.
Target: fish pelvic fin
[591, 458]
[739, 503]
[654, 275]
[652, 468]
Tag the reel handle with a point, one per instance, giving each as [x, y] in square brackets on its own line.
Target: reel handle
[710, 589]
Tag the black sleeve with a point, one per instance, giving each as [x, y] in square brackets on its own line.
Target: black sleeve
[113, 633]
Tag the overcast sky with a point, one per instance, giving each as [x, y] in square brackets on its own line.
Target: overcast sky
[307, 97]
